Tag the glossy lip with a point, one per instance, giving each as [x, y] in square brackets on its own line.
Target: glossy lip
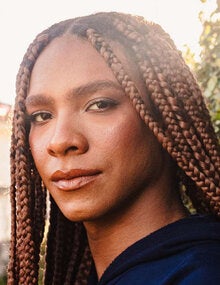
[74, 178]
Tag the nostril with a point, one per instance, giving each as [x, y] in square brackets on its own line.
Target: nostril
[76, 144]
[72, 148]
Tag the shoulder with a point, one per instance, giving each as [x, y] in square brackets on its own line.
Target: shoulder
[197, 265]
[200, 268]
[206, 273]
[185, 252]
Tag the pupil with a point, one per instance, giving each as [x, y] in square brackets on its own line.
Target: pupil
[102, 105]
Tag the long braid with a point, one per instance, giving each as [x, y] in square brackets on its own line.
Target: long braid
[84, 268]
[25, 265]
[65, 249]
[39, 209]
[79, 263]
[69, 239]
[12, 266]
[50, 245]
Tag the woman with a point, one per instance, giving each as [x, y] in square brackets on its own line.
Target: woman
[109, 119]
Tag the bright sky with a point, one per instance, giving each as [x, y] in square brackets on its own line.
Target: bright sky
[21, 21]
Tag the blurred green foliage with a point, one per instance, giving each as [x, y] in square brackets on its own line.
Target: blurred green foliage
[3, 280]
[207, 70]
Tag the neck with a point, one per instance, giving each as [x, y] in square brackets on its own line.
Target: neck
[111, 235]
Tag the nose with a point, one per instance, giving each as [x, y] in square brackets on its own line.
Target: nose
[67, 138]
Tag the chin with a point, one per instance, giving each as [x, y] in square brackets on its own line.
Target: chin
[75, 215]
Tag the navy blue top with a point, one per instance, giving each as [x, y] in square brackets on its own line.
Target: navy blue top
[185, 252]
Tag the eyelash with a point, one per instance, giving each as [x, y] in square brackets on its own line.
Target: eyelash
[108, 103]
[44, 116]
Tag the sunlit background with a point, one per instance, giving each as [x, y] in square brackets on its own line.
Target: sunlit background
[21, 21]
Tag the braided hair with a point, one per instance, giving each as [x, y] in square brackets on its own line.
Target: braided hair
[178, 118]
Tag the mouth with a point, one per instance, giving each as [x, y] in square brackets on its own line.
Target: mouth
[73, 179]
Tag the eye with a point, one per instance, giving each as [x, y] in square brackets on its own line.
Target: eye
[101, 105]
[40, 117]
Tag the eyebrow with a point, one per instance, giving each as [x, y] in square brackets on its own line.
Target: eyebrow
[38, 99]
[94, 86]
[84, 89]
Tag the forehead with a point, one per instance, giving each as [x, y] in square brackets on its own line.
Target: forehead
[67, 63]
[68, 56]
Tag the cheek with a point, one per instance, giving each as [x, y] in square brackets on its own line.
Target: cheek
[106, 137]
[38, 148]
[139, 151]
[126, 143]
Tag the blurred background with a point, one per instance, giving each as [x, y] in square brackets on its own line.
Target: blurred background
[194, 25]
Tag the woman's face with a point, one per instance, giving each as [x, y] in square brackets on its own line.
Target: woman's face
[92, 150]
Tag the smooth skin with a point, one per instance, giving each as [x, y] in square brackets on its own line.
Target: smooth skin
[82, 122]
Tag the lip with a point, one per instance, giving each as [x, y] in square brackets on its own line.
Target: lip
[74, 178]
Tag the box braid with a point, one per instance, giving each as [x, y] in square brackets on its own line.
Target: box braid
[177, 116]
